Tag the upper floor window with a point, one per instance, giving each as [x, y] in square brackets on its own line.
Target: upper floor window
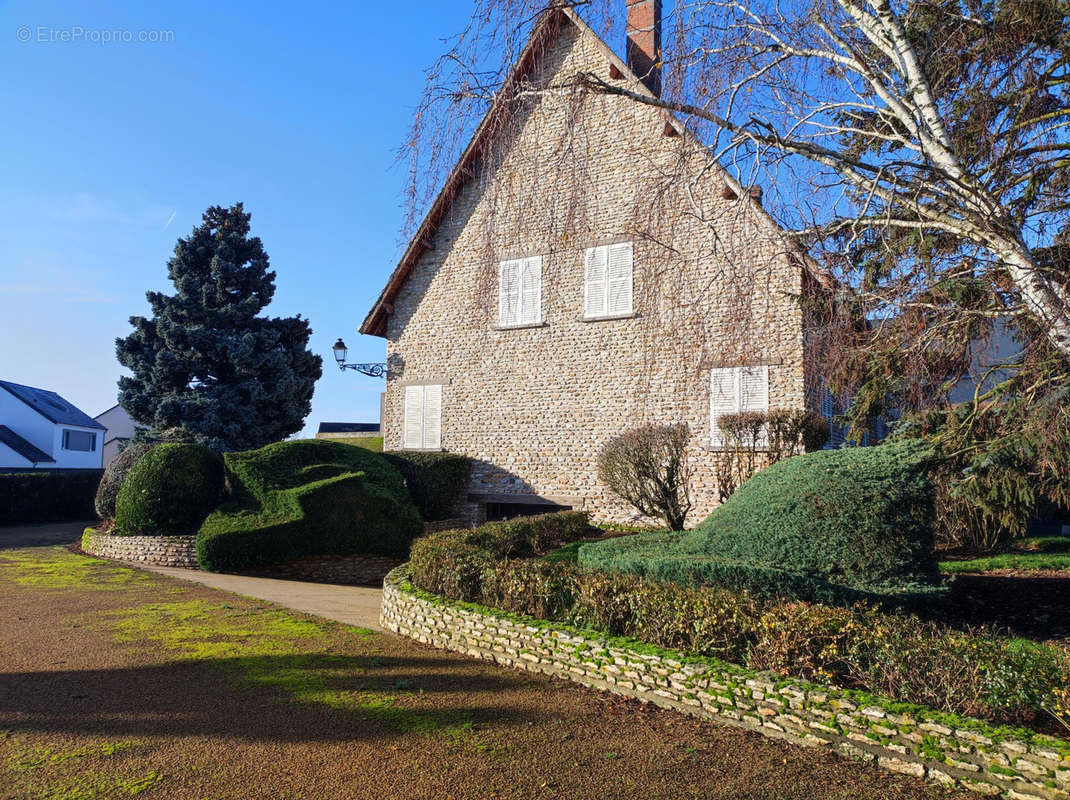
[520, 291]
[423, 417]
[607, 287]
[733, 390]
[79, 440]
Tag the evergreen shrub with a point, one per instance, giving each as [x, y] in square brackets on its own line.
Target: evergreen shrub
[310, 497]
[169, 490]
[832, 526]
[436, 481]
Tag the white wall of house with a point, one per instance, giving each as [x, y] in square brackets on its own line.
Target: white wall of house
[47, 436]
[120, 428]
[27, 423]
[9, 459]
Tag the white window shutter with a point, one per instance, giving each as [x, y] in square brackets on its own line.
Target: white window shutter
[414, 409]
[509, 292]
[724, 399]
[432, 438]
[619, 279]
[594, 284]
[530, 290]
[754, 393]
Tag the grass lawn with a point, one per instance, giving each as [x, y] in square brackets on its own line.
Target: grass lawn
[118, 683]
[1045, 553]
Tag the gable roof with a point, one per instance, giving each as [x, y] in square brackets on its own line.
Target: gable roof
[51, 406]
[548, 25]
[28, 451]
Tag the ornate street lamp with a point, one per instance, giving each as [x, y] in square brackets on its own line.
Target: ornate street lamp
[371, 370]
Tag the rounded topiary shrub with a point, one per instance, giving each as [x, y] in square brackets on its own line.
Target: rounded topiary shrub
[170, 490]
[835, 524]
[114, 475]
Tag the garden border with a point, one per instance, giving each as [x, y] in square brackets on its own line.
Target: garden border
[925, 743]
[167, 551]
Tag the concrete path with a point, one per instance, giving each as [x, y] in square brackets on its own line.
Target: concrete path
[352, 605]
[42, 535]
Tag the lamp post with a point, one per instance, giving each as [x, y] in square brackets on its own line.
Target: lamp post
[371, 370]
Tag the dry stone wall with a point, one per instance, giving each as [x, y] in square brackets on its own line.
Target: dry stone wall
[714, 286]
[926, 744]
[168, 551]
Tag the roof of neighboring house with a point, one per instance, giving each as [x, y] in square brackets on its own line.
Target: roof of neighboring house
[349, 427]
[548, 25]
[51, 406]
[28, 451]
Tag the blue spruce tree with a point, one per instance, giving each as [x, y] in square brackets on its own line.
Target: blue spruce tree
[205, 362]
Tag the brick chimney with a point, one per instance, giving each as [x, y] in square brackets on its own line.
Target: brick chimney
[643, 27]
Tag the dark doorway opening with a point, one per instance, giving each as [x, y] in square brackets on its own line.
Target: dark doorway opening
[496, 512]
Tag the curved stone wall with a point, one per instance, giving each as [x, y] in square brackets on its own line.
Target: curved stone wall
[168, 551]
[926, 744]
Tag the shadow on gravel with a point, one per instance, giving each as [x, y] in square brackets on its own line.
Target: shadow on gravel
[285, 699]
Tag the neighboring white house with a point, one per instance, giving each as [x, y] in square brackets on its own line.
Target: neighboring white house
[119, 428]
[41, 430]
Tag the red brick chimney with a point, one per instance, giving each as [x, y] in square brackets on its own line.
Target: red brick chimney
[643, 27]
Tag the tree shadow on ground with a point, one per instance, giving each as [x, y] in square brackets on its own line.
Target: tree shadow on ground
[306, 697]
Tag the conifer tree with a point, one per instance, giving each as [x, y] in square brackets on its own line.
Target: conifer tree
[205, 362]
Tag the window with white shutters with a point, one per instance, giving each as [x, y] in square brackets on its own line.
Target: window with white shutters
[520, 291]
[423, 417]
[733, 390]
[608, 281]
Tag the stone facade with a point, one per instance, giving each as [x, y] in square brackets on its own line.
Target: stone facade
[714, 285]
[942, 748]
[168, 551]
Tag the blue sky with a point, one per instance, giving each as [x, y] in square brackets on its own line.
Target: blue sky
[111, 150]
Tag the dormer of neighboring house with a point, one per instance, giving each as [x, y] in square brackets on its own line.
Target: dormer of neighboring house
[41, 430]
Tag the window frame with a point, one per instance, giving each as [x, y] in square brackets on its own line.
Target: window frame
[428, 443]
[607, 311]
[65, 441]
[523, 316]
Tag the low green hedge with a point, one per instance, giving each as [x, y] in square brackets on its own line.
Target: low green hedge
[436, 481]
[47, 496]
[831, 526]
[169, 490]
[311, 497]
[901, 656]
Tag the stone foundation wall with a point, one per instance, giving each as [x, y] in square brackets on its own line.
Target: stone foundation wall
[940, 747]
[168, 551]
[445, 524]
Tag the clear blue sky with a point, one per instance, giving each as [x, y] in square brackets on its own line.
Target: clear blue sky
[111, 150]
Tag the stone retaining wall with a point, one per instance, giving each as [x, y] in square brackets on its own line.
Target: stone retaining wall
[168, 551]
[342, 570]
[434, 526]
[926, 744]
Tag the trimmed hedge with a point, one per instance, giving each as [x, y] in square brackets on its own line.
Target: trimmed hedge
[47, 496]
[114, 475]
[977, 673]
[436, 481]
[169, 490]
[310, 497]
[832, 526]
[454, 562]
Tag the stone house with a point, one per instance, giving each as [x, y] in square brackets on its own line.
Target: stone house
[583, 271]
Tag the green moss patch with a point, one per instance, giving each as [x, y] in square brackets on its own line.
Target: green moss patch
[56, 568]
